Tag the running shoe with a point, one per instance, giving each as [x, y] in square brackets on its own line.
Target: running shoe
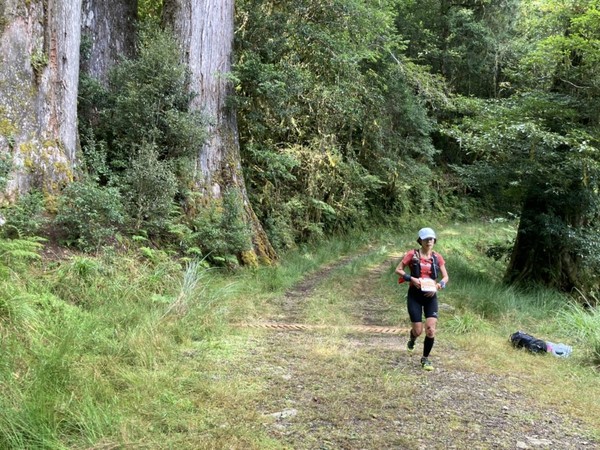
[410, 346]
[426, 365]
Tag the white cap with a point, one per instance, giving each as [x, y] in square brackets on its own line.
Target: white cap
[425, 233]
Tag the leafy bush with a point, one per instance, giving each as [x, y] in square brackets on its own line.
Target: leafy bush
[326, 192]
[331, 129]
[95, 157]
[148, 102]
[219, 229]
[140, 136]
[235, 230]
[88, 214]
[148, 187]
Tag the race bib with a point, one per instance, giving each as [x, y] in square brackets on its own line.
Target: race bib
[428, 285]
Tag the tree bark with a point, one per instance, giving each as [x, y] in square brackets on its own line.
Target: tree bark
[39, 71]
[204, 30]
[541, 255]
[108, 34]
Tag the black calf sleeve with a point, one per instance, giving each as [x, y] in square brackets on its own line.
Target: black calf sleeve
[412, 336]
[427, 346]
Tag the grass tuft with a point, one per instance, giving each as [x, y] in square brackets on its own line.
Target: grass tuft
[465, 323]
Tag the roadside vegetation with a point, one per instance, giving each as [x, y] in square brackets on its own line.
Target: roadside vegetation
[131, 350]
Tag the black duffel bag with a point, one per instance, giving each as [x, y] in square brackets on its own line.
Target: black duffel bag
[524, 340]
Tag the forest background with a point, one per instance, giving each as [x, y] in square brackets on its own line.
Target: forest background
[333, 115]
[323, 117]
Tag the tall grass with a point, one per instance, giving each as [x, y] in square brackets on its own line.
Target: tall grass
[583, 325]
[467, 322]
[81, 338]
[188, 292]
[40, 390]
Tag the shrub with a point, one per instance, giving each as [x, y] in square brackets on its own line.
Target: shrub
[139, 134]
[88, 214]
[149, 187]
[220, 230]
[148, 101]
[236, 231]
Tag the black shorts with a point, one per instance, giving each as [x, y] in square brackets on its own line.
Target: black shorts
[418, 304]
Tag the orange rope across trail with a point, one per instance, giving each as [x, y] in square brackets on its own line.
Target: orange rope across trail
[304, 327]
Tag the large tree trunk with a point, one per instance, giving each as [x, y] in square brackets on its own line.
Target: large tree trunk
[108, 34]
[542, 253]
[204, 30]
[39, 71]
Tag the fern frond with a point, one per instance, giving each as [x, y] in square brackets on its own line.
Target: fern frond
[16, 251]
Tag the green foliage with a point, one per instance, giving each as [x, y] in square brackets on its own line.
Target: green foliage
[89, 215]
[324, 94]
[6, 165]
[469, 43]
[139, 137]
[534, 155]
[500, 251]
[95, 157]
[148, 101]
[16, 311]
[465, 323]
[61, 367]
[235, 229]
[149, 9]
[563, 40]
[219, 230]
[206, 232]
[15, 253]
[149, 187]
[511, 147]
[327, 193]
[402, 154]
[25, 217]
[584, 326]
[93, 99]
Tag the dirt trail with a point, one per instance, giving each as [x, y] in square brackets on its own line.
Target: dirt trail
[327, 389]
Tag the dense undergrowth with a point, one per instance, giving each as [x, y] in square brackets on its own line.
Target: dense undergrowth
[91, 346]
